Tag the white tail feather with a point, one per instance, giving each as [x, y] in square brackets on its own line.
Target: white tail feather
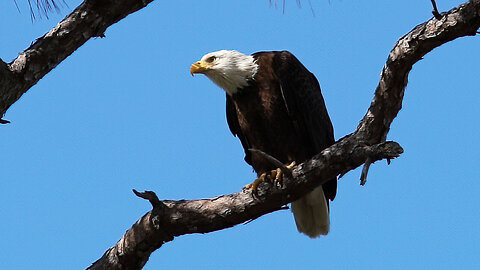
[312, 214]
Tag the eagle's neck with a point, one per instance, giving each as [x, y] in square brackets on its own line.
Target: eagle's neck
[235, 73]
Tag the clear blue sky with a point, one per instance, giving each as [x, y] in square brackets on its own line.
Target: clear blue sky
[123, 112]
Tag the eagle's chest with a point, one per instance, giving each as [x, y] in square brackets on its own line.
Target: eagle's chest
[265, 121]
[262, 112]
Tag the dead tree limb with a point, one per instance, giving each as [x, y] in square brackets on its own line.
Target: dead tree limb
[435, 12]
[169, 219]
[88, 20]
[177, 218]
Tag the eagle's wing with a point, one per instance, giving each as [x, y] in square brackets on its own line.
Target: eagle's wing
[306, 107]
[234, 126]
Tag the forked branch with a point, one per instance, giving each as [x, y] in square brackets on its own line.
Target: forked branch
[169, 219]
[366, 143]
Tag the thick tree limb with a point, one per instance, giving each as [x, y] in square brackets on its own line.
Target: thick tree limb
[463, 20]
[88, 20]
[175, 218]
[169, 219]
[367, 143]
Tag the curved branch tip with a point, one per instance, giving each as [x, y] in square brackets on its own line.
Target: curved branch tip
[150, 196]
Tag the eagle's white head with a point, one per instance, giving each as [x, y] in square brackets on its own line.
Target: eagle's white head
[230, 70]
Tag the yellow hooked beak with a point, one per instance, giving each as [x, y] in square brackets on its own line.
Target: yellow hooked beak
[199, 67]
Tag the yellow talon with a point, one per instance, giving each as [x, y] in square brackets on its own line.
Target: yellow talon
[291, 165]
[276, 174]
[254, 186]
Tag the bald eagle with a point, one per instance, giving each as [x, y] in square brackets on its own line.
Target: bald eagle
[274, 104]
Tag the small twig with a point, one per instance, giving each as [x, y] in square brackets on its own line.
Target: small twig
[386, 150]
[3, 121]
[150, 196]
[366, 166]
[435, 12]
[277, 163]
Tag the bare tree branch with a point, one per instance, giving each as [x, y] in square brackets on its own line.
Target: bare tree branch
[174, 218]
[88, 20]
[169, 219]
[463, 20]
[435, 10]
[367, 143]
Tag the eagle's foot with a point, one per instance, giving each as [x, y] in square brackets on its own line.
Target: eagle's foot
[254, 185]
[276, 175]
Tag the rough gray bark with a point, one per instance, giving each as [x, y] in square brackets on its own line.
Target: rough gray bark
[88, 20]
[169, 219]
[461, 21]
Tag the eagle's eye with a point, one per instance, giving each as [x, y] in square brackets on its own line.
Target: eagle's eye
[210, 59]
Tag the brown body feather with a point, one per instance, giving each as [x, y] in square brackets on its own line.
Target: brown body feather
[282, 113]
